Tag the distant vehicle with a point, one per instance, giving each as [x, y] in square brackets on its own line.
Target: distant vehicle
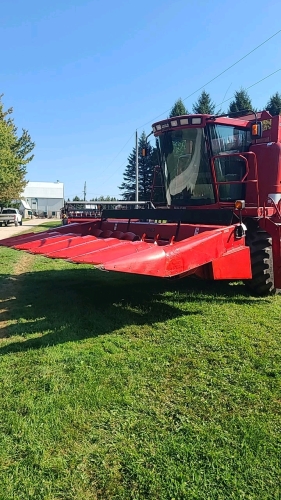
[10, 216]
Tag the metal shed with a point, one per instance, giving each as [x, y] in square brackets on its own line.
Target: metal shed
[45, 198]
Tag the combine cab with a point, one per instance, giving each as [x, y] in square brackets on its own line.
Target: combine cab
[222, 179]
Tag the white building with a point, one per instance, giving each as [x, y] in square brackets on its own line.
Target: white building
[45, 198]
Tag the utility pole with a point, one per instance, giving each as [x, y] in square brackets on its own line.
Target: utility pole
[85, 191]
[137, 167]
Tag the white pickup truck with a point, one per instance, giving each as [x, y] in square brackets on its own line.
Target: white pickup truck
[10, 216]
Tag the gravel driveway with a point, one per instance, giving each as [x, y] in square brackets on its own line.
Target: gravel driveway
[6, 232]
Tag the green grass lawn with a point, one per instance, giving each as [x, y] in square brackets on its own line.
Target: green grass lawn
[123, 387]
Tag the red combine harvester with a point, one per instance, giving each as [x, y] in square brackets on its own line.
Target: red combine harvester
[222, 218]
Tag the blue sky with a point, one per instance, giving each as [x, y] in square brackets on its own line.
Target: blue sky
[83, 75]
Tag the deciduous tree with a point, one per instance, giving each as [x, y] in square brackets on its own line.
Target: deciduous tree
[14, 156]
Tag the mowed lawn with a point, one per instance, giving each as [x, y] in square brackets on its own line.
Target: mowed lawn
[124, 387]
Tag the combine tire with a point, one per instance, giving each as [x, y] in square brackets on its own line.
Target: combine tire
[262, 282]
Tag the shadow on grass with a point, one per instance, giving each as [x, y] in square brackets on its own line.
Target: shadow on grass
[77, 303]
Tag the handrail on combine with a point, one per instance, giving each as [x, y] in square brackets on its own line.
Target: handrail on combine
[244, 179]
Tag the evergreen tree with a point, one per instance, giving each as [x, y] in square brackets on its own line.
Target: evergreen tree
[274, 104]
[104, 198]
[146, 171]
[108, 198]
[241, 101]
[76, 198]
[14, 151]
[204, 105]
[178, 109]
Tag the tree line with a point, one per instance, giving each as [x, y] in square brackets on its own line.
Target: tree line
[99, 198]
[204, 105]
[240, 102]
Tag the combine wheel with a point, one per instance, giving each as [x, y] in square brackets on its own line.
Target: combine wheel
[262, 282]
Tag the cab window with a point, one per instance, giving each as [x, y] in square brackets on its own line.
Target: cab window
[230, 168]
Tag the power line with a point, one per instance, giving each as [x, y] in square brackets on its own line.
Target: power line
[119, 151]
[220, 74]
[256, 83]
[115, 171]
[116, 156]
[247, 88]
[226, 100]
[190, 95]
[226, 93]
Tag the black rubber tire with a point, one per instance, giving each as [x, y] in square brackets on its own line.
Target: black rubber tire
[20, 223]
[262, 282]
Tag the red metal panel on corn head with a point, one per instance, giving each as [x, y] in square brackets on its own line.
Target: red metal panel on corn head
[226, 267]
[39, 245]
[184, 256]
[22, 238]
[55, 245]
[84, 248]
[56, 250]
[154, 256]
[119, 249]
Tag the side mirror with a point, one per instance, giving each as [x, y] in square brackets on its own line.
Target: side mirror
[256, 130]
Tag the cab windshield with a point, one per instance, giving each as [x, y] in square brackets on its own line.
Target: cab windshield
[186, 168]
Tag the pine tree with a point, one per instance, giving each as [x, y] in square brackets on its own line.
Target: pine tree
[14, 151]
[146, 171]
[128, 185]
[178, 109]
[274, 104]
[204, 105]
[241, 101]
[104, 198]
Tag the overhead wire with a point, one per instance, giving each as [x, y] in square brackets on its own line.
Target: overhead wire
[190, 95]
[225, 93]
[116, 156]
[113, 173]
[226, 100]
[120, 150]
[247, 88]
[220, 74]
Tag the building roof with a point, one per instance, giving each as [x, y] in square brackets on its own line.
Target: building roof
[44, 190]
